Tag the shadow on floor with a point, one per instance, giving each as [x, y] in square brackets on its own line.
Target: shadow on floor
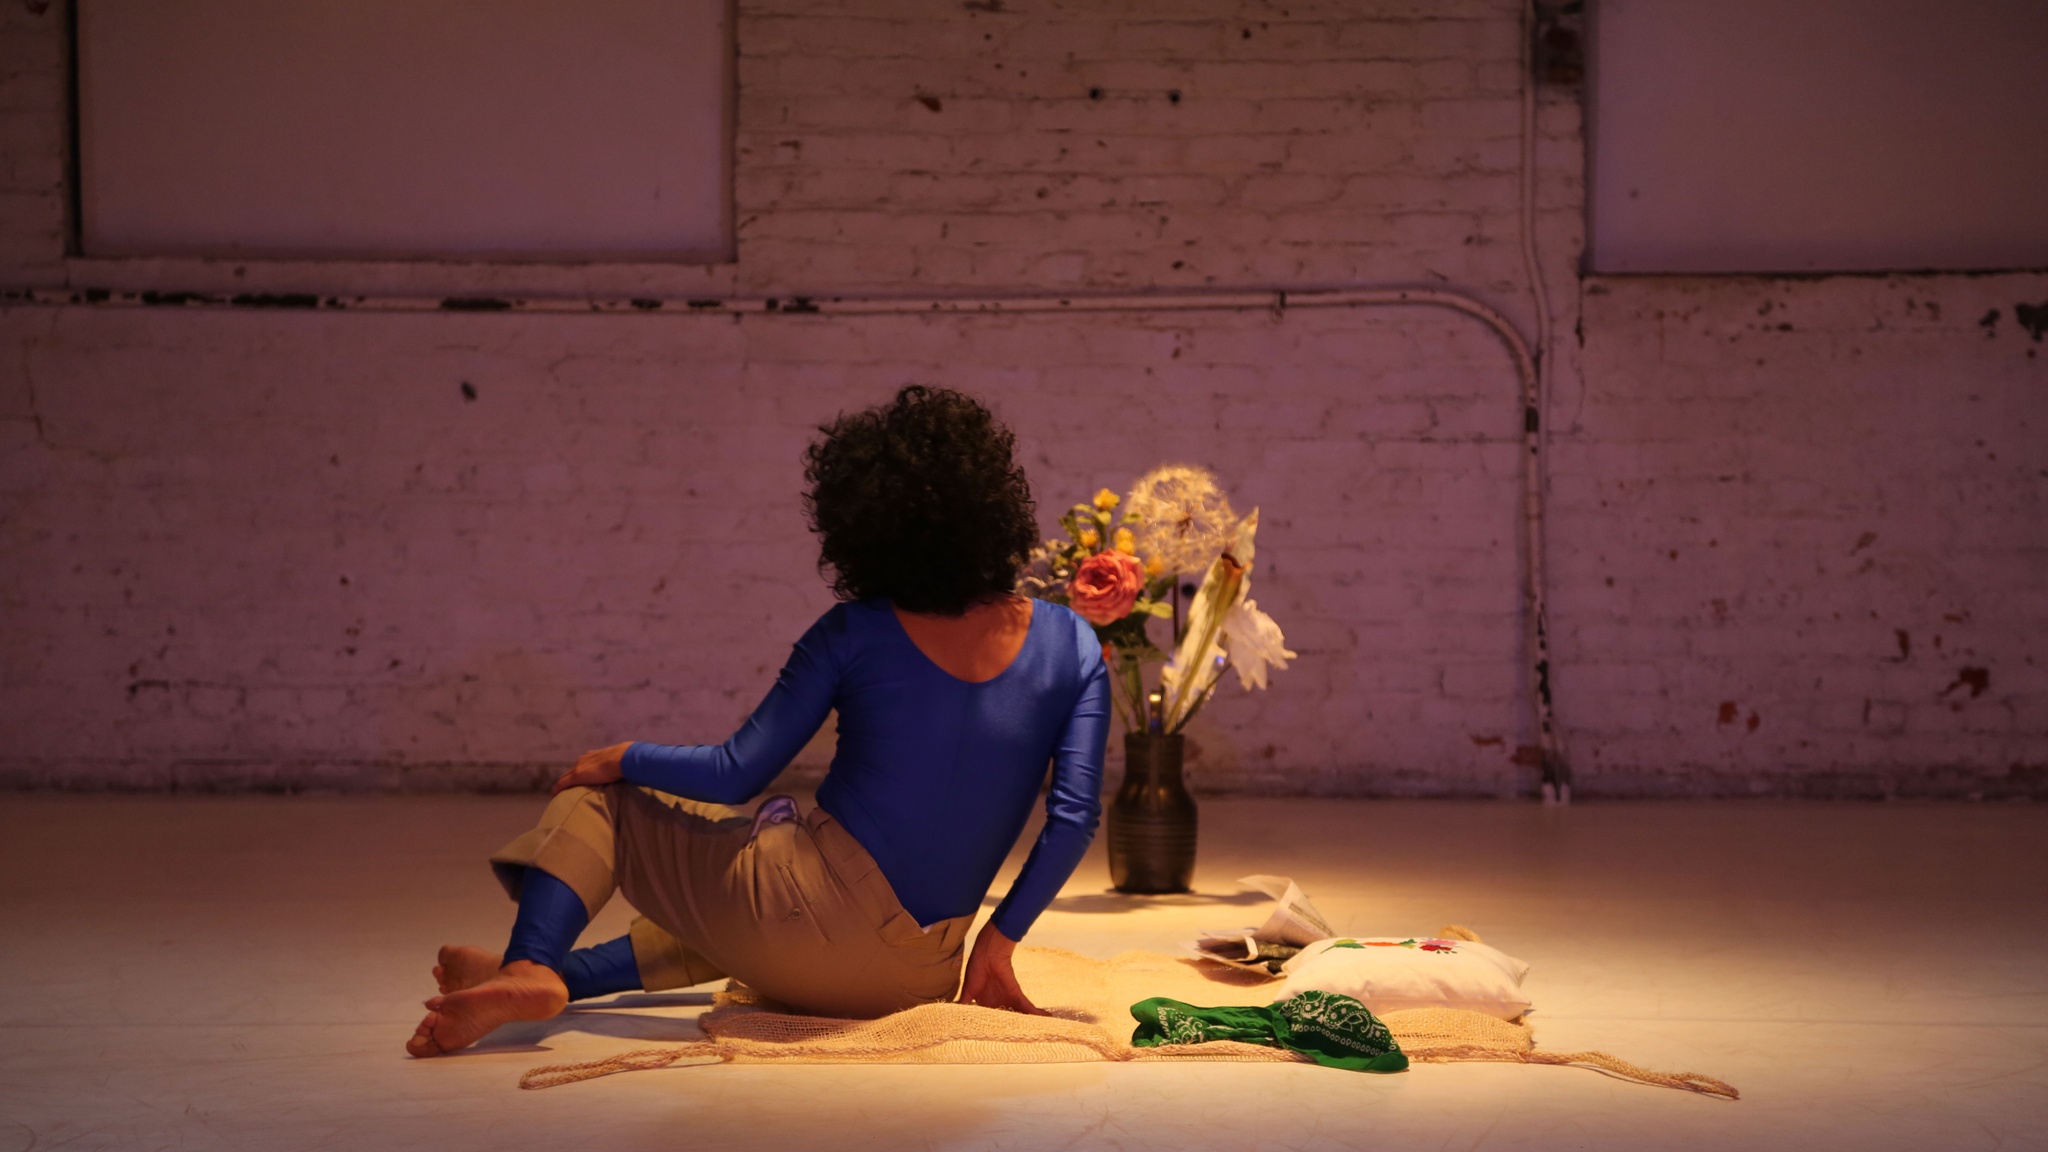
[1101, 902]
[648, 1000]
[528, 1035]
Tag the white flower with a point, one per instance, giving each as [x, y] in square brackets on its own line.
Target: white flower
[1254, 643]
[1225, 627]
[1199, 659]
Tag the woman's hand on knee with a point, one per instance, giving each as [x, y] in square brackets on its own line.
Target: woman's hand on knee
[991, 981]
[599, 766]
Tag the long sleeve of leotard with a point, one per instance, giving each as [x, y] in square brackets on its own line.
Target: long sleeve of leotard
[739, 769]
[1073, 805]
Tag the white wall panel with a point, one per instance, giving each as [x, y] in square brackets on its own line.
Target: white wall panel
[1819, 135]
[389, 128]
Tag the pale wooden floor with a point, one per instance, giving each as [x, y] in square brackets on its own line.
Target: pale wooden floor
[240, 973]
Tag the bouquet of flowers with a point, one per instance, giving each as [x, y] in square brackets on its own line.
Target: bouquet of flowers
[1122, 570]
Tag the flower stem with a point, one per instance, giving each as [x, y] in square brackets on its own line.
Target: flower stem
[1134, 693]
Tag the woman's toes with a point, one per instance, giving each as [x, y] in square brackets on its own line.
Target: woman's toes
[423, 1043]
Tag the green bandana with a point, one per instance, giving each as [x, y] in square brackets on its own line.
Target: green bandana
[1328, 1028]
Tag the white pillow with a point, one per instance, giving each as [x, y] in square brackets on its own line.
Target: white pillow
[1390, 973]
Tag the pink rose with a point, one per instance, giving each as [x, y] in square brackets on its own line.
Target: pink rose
[1106, 586]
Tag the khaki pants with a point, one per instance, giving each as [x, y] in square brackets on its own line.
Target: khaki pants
[800, 912]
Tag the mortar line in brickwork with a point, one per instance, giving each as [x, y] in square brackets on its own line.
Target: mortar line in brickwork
[1536, 639]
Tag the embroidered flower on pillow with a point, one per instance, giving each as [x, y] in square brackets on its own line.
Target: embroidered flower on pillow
[1393, 973]
[1448, 947]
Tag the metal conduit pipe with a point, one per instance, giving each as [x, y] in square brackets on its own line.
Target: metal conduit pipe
[1555, 776]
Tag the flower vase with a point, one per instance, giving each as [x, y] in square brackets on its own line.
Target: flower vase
[1152, 818]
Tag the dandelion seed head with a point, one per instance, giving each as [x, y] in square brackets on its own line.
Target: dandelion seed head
[1183, 521]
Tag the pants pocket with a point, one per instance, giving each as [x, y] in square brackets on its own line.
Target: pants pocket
[903, 931]
[797, 906]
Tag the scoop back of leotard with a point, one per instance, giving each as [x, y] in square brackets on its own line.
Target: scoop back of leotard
[936, 776]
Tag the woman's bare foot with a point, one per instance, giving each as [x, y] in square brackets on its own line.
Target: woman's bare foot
[522, 990]
[464, 967]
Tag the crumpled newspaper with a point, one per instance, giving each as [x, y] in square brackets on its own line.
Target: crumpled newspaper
[1292, 925]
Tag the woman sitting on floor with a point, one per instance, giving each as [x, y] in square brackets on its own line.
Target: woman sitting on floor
[953, 693]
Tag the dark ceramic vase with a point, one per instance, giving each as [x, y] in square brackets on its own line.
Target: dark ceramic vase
[1152, 818]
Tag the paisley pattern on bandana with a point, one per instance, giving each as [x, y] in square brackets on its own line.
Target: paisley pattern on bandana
[1329, 1028]
[1340, 1020]
[1180, 1027]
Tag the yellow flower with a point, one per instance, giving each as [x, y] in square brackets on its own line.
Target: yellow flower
[1090, 537]
[1105, 500]
[1155, 568]
[1126, 542]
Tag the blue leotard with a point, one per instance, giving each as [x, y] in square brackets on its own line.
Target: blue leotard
[934, 776]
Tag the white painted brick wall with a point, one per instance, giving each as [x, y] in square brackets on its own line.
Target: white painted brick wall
[281, 549]
[1810, 518]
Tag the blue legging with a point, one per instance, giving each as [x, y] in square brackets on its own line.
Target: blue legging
[551, 916]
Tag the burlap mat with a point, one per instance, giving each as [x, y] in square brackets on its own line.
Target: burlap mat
[1090, 1000]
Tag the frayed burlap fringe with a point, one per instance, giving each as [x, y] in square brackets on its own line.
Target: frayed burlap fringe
[1441, 1035]
[1090, 1001]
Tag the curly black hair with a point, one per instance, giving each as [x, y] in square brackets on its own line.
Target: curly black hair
[921, 501]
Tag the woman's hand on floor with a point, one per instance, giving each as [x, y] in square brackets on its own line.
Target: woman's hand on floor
[991, 981]
[599, 766]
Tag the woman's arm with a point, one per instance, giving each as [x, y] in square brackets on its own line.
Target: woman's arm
[737, 770]
[1073, 806]
[991, 982]
[595, 767]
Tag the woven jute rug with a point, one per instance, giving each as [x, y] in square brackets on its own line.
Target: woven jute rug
[1090, 1000]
